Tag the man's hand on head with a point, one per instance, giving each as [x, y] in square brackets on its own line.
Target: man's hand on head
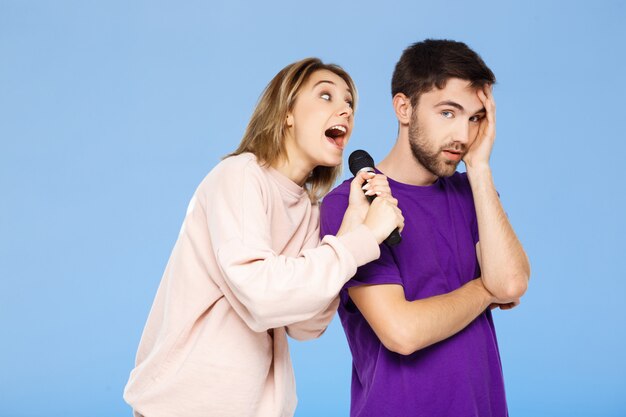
[479, 152]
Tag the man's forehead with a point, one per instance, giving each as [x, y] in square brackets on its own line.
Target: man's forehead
[455, 91]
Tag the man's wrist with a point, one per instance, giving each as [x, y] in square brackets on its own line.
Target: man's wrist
[482, 292]
[479, 173]
[478, 168]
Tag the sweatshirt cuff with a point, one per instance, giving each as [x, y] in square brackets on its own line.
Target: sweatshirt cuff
[362, 244]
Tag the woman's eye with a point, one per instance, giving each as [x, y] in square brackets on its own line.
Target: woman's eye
[350, 103]
[325, 96]
[447, 114]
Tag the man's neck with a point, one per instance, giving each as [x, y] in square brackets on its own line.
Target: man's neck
[400, 165]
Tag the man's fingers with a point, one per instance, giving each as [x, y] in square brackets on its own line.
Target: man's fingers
[483, 97]
[490, 102]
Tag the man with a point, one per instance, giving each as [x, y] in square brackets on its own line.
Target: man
[418, 320]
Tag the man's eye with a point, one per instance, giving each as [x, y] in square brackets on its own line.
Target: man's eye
[447, 114]
[475, 119]
[325, 96]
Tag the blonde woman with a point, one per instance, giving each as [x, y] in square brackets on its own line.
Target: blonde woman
[248, 268]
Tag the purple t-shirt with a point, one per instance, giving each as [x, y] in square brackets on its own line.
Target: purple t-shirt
[460, 376]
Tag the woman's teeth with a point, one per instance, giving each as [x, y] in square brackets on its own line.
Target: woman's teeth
[335, 131]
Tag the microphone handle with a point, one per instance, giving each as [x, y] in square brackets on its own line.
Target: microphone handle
[394, 238]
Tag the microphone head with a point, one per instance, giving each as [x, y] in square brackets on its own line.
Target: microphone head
[358, 160]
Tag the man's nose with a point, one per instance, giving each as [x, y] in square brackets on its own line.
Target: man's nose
[462, 132]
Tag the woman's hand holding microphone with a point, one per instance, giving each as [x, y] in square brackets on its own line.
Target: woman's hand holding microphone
[382, 216]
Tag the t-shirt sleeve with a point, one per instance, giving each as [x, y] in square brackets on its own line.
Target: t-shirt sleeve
[474, 225]
[468, 199]
[384, 270]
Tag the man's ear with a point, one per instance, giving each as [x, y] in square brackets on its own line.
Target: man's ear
[402, 107]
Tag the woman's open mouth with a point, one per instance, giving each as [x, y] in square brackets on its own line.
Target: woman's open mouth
[336, 135]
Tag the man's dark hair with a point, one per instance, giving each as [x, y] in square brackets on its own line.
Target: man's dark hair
[431, 63]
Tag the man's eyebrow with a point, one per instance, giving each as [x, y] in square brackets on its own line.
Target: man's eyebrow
[451, 104]
[457, 105]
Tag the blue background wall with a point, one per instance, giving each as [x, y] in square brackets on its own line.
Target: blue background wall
[111, 113]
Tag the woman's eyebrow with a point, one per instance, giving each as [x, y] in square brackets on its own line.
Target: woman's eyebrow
[324, 81]
[330, 82]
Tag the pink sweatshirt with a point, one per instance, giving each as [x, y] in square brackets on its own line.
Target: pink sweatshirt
[246, 270]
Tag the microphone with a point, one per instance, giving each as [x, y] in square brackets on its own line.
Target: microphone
[358, 161]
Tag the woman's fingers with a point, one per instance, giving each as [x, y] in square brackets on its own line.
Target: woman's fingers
[356, 191]
[377, 185]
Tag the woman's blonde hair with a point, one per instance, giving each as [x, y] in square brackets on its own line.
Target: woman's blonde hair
[265, 134]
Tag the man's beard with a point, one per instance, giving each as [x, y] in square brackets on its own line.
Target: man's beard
[432, 161]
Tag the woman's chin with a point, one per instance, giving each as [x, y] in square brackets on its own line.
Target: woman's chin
[328, 162]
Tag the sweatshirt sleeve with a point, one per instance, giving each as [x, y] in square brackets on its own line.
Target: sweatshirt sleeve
[267, 289]
[316, 325]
